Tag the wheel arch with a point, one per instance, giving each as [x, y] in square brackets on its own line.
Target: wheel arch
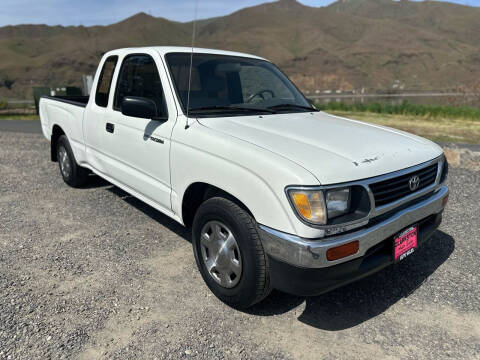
[57, 131]
[197, 193]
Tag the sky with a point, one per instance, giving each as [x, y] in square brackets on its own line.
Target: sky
[105, 12]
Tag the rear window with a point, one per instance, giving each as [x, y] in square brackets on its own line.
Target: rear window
[105, 81]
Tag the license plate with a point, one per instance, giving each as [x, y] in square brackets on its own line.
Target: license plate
[405, 243]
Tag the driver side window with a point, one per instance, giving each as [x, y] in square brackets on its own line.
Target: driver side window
[139, 77]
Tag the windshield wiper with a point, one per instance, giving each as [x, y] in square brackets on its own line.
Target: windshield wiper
[291, 106]
[234, 108]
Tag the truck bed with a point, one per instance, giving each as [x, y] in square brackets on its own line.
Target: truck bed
[67, 113]
[76, 100]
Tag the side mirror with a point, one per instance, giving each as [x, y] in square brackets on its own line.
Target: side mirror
[140, 107]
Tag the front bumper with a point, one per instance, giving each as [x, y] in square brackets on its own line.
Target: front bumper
[302, 263]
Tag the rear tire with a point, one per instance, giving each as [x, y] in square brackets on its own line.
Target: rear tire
[235, 267]
[73, 174]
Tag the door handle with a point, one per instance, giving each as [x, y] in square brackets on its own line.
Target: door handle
[110, 127]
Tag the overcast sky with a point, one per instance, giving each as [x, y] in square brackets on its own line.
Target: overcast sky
[104, 12]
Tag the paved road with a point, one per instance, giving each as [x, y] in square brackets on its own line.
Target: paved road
[94, 273]
[405, 95]
[23, 126]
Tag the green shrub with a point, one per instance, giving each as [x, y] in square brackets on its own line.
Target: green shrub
[3, 105]
[405, 108]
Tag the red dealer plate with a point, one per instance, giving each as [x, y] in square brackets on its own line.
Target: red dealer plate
[405, 243]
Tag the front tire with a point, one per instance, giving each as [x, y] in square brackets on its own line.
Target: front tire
[73, 174]
[229, 253]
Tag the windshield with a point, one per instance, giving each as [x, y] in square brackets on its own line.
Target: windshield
[236, 85]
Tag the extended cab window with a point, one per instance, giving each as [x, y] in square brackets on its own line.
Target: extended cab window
[139, 77]
[105, 81]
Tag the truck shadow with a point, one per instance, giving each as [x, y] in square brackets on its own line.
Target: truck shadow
[154, 214]
[95, 181]
[345, 307]
[355, 303]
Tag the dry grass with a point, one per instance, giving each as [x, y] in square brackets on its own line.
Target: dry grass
[19, 117]
[455, 130]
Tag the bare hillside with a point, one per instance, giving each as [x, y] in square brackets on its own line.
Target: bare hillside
[377, 45]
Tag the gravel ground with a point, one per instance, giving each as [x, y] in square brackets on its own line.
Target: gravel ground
[94, 273]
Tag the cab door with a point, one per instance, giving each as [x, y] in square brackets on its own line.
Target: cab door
[94, 115]
[137, 149]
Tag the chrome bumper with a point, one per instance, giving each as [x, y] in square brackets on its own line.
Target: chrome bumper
[311, 253]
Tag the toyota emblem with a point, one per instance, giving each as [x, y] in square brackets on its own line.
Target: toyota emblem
[414, 182]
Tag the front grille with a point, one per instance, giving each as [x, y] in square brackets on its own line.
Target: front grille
[387, 191]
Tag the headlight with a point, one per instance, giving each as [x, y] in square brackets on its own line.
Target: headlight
[316, 206]
[338, 202]
[310, 205]
[338, 208]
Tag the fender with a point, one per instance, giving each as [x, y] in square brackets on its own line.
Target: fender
[236, 171]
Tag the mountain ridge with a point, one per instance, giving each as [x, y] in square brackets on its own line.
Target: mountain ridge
[363, 45]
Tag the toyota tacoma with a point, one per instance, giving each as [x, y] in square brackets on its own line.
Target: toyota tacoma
[277, 194]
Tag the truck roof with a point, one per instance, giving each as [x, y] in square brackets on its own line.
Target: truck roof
[180, 49]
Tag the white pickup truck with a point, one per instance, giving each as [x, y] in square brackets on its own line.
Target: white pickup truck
[278, 194]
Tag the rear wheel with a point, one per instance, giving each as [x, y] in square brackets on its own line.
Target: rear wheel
[229, 253]
[73, 174]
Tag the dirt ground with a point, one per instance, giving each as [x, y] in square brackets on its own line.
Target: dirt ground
[94, 273]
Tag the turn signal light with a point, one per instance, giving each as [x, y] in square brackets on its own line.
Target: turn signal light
[303, 205]
[342, 251]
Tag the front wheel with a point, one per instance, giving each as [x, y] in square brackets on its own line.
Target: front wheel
[229, 253]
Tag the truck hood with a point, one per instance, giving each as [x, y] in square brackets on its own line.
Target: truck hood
[332, 148]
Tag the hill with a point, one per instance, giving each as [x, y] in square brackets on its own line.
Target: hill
[374, 45]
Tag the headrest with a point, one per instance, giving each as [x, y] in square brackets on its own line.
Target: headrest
[227, 68]
[215, 84]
